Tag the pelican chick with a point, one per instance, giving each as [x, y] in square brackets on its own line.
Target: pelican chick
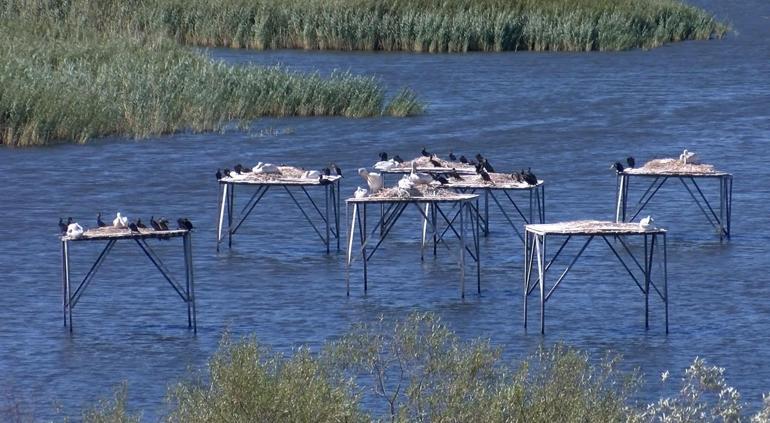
[647, 223]
[360, 193]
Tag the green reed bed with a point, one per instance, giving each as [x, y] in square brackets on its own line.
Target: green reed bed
[54, 90]
[408, 25]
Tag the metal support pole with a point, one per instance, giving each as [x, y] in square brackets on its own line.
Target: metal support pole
[486, 212]
[540, 245]
[424, 232]
[364, 239]
[66, 275]
[665, 278]
[526, 273]
[222, 205]
[191, 295]
[328, 222]
[231, 204]
[462, 250]
[647, 256]
[351, 235]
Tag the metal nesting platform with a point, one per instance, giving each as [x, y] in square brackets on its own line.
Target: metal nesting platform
[112, 236]
[429, 207]
[720, 222]
[329, 216]
[535, 249]
[533, 213]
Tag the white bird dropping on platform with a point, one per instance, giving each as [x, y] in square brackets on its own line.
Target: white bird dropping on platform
[120, 221]
[74, 230]
[647, 223]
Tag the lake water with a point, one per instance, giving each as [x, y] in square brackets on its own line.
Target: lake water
[568, 116]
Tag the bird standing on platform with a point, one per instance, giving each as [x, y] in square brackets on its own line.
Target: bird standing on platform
[516, 177]
[374, 180]
[311, 174]
[140, 225]
[62, 226]
[360, 193]
[219, 174]
[435, 162]
[439, 178]
[425, 152]
[163, 223]
[398, 159]
[133, 227]
[488, 167]
[483, 173]
[529, 177]
[452, 157]
[383, 157]
[631, 162]
[74, 230]
[688, 157]
[419, 178]
[647, 223]
[385, 165]
[454, 175]
[155, 225]
[184, 223]
[618, 167]
[120, 221]
[335, 170]
[463, 160]
[99, 222]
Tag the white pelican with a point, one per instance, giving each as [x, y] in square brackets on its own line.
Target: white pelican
[375, 180]
[419, 178]
[120, 221]
[311, 174]
[74, 230]
[385, 165]
[265, 168]
[688, 157]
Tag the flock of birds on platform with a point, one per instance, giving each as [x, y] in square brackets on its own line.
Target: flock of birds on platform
[687, 157]
[72, 229]
[241, 172]
[483, 168]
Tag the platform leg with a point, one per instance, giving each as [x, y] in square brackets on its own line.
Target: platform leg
[364, 239]
[647, 269]
[231, 205]
[424, 232]
[665, 277]
[68, 287]
[486, 212]
[462, 250]
[351, 235]
[64, 277]
[222, 205]
[328, 222]
[526, 274]
[540, 246]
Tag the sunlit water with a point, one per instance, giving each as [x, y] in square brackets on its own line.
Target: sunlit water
[568, 116]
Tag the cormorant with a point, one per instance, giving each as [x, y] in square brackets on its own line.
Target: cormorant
[435, 162]
[440, 178]
[99, 222]
[62, 226]
[455, 175]
[452, 157]
[463, 160]
[155, 225]
[631, 162]
[384, 156]
[425, 153]
[398, 159]
[337, 171]
[618, 167]
[140, 225]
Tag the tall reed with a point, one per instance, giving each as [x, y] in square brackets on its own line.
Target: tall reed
[56, 90]
[408, 25]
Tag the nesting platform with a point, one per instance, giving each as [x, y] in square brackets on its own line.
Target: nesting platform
[660, 171]
[328, 211]
[536, 237]
[112, 235]
[430, 207]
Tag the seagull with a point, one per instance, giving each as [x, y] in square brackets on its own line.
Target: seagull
[219, 174]
[155, 225]
[336, 169]
[439, 178]
[140, 225]
[646, 223]
[434, 161]
[398, 159]
[631, 162]
[425, 153]
[419, 178]
[452, 157]
[375, 180]
[618, 167]
[360, 193]
[120, 221]
[455, 175]
[62, 226]
[184, 223]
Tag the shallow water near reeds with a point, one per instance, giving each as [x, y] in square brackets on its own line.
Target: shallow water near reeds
[568, 116]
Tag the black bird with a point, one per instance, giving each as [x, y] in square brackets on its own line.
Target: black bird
[479, 157]
[155, 225]
[440, 178]
[425, 153]
[219, 174]
[133, 227]
[184, 223]
[238, 168]
[631, 162]
[488, 167]
[62, 226]
[337, 171]
[398, 159]
[516, 176]
[323, 181]
[384, 156]
[618, 167]
[99, 222]
[455, 175]
[435, 162]
[463, 160]
[163, 223]
[326, 171]
[452, 157]
[226, 172]
[140, 225]
[530, 177]
[484, 175]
